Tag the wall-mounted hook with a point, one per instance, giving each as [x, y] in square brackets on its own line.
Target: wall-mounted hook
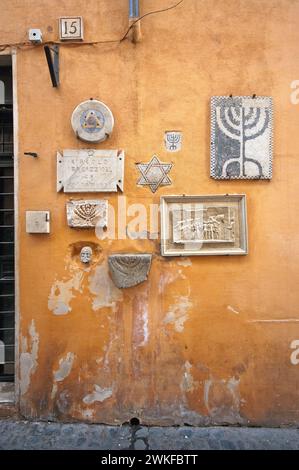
[31, 154]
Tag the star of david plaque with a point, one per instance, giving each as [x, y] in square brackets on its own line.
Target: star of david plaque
[154, 173]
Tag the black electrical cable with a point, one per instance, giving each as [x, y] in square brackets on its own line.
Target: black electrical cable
[5, 46]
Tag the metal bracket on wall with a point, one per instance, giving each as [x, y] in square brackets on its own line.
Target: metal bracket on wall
[52, 56]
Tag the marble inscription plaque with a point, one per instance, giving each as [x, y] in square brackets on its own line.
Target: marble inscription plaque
[90, 171]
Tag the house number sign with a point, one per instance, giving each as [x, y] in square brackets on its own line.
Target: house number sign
[70, 28]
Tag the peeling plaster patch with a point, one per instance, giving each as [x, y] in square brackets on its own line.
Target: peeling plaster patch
[28, 360]
[88, 414]
[222, 400]
[186, 262]
[99, 394]
[232, 309]
[24, 343]
[62, 293]
[177, 313]
[103, 288]
[54, 391]
[65, 366]
[188, 384]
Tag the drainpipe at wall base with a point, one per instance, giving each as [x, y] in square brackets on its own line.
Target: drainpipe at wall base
[133, 16]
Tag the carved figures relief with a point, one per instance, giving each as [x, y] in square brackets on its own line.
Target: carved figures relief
[154, 174]
[92, 121]
[203, 225]
[87, 213]
[173, 141]
[241, 137]
[128, 270]
[90, 170]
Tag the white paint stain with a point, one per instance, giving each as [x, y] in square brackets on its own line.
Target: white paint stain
[295, 354]
[101, 285]
[177, 313]
[186, 262]
[169, 277]
[233, 310]
[140, 327]
[188, 384]
[145, 326]
[28, 359]
[62, 292]
[108, 349]
[99, 394]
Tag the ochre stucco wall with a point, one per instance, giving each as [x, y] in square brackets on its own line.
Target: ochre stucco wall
[200, 341]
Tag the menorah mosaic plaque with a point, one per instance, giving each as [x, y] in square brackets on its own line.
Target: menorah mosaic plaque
[203, 225]
[241, 137]
[87, 213]
[90, 170]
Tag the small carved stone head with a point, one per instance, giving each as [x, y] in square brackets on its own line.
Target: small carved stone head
[86, 254]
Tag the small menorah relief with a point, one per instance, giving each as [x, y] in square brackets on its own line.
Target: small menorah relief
[173, 141]
[87, 213]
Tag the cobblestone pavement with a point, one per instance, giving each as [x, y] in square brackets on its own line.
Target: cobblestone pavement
[44, 436]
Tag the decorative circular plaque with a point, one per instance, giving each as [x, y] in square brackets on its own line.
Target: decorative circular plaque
[92, 121]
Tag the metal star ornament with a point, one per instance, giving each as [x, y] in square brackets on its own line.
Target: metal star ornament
[154, 173]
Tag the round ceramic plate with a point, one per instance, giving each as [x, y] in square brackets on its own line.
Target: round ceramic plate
[92, 121]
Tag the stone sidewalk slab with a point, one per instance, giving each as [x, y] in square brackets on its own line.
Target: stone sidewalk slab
[25, 435]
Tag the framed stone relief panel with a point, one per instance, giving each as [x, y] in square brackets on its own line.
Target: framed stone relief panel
[241, 137]
[204, 225]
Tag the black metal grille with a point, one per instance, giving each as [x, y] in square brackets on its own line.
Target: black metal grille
[7, 281]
